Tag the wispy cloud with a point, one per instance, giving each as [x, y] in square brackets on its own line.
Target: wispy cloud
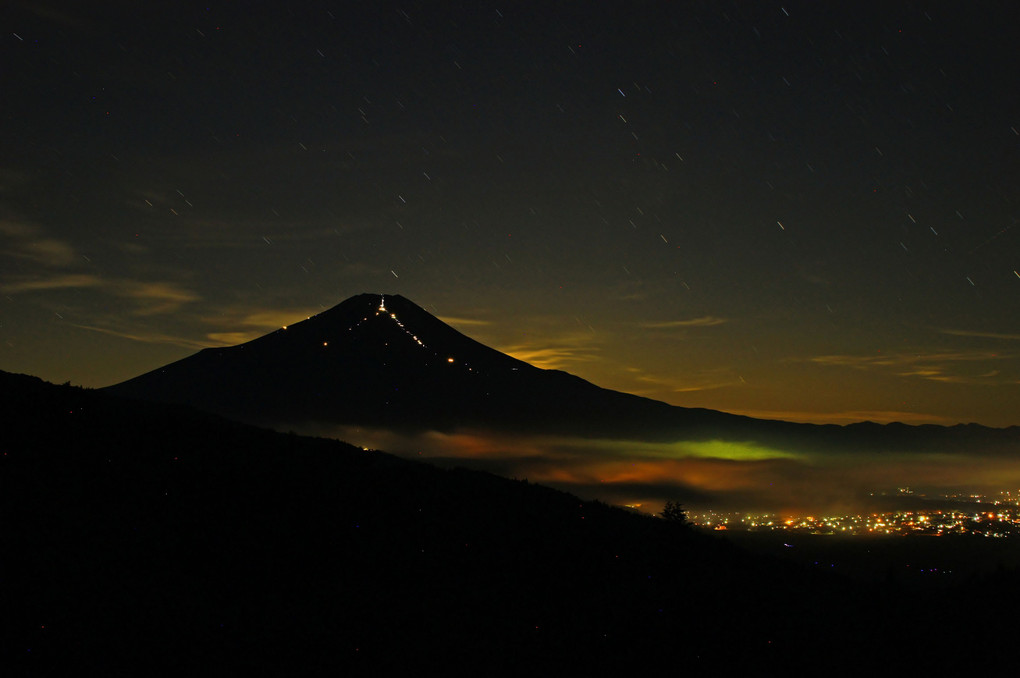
[150, 297]
[548, 342]
[231, 338]
[230, 326]
[946, 366]
[29, 242]
[51, 258]
[978, 379]
[704, 321]
[904, 359]
[656, 385]
[145, 336]
[553, 355]
[276, 317]
[155, 298]
[466, 322]
[49, 251]
[236, 326]
[55, 282]
[702, 387]
[983, 335]
[630, 290]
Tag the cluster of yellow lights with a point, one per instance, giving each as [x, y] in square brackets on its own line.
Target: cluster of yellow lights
[393, 316]
[935, 522]
[401, 326]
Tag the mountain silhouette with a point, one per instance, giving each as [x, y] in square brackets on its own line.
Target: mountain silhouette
[381, 360]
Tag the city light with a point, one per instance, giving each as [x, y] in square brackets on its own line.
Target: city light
[935, 522]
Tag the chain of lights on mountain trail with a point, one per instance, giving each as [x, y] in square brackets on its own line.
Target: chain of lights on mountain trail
[381, 311]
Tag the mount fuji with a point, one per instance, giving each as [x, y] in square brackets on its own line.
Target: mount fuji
[382, 361]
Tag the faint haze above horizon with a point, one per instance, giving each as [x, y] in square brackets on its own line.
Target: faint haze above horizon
[794, 211]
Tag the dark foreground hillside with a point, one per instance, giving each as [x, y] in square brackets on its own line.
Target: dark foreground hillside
[148, 539]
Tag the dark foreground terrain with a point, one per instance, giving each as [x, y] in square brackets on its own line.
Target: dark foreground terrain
[915, 561]
[152, 539]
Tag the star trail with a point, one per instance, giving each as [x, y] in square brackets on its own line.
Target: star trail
[801, 211]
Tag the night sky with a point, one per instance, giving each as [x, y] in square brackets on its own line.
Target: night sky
[791, 210]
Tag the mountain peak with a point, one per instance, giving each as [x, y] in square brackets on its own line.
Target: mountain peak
[374, 315]
[380, 359]
[385, 325]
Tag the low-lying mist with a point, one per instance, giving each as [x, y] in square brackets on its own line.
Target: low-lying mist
[704, 475]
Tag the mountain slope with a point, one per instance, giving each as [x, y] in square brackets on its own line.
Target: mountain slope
[384, 361]
[378, 360]
[150, 539]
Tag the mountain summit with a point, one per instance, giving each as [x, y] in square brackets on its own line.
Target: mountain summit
[382, 360]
